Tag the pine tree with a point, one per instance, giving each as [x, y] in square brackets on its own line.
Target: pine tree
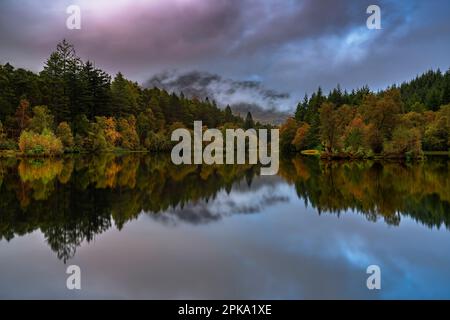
[249, 123]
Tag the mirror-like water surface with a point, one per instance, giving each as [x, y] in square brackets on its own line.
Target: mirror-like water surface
[140, 227]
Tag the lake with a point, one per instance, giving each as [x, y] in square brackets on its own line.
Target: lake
[140, 227]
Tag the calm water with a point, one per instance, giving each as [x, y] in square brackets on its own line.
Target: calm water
[139, 227]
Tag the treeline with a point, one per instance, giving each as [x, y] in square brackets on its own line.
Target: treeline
[73, 106]
[400, 121]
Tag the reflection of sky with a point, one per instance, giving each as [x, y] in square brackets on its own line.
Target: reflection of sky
[283, 251]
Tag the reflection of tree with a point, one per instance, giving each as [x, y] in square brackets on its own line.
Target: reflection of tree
[73, 199]
[376, 189]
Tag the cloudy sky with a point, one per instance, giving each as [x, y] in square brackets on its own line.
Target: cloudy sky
[270, 52]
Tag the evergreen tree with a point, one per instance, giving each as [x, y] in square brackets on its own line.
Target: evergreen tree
[249, 123]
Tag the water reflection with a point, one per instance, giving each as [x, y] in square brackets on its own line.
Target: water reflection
[388, 190]
[74, 199]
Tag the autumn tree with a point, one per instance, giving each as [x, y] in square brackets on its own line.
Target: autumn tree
[332, 124]
[300, 140]
[356, 135]
[109, 127]
[64, 133]
[23, 114]
[127, 129]
[145, 123]
[404, 142]
[287, 134]
[42, 119]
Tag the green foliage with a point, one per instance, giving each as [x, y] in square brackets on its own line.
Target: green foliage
[436, 135]
[157, 142]
[145, 123]
[249, 123]
[127, 128]
[125, 96]
[288, 132]
[431, 90]
[405, 142]
[105, 115]
[64, 133]
[102, 114]
[42, 119]
[5, 143]
[362, 122]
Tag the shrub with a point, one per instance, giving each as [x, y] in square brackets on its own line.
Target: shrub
[45, 144]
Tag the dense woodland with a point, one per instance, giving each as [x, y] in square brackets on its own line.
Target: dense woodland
[397, 122]
[73, 106]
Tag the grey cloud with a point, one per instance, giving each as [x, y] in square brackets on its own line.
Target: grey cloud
[243, 96]
[289, 45]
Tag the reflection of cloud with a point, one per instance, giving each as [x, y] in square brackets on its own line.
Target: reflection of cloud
[239, 201]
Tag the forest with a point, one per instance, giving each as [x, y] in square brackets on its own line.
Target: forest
[399, 122]
[72, 106]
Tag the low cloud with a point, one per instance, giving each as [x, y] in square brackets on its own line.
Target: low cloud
[243, 96]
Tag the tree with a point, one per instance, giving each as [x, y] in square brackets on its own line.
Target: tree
[127, 129]
[249, 123]
[356, 135]
[64, 133]
[383, 112]
[22, 114]
[228, 116]
[157, 112]
[405, 142]
[145, 123]
[287, 134]
[302, 109]
[61, 81]
[300, 141]
[436, 136]
[109, 127]
[42, 119]
[95, 93]
[2, 136]
[125, 95]
[332, 124]
[40, 144]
